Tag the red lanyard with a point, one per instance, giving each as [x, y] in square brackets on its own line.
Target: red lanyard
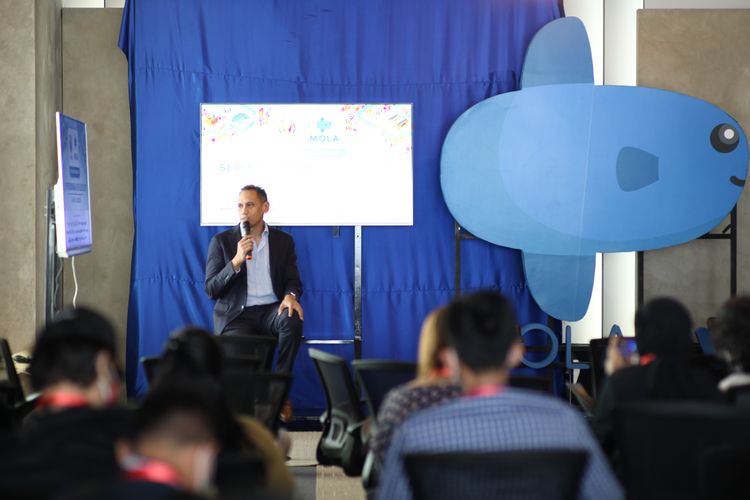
[442, 372]
[485, 390]
[61, 399]
[154, 471]
[647, 358]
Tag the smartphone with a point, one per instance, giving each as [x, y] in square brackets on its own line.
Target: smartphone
[629, 349]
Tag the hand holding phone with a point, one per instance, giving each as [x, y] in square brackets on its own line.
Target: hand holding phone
[621, 352]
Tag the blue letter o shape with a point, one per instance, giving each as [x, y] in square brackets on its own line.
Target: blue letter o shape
[554, 345]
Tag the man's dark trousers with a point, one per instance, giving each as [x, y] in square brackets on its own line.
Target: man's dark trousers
[265, 320]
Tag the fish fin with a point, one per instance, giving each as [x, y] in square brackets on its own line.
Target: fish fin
[558, 53]
[561, 284]
[636, 169]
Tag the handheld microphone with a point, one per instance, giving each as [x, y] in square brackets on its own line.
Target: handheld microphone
[245, 229]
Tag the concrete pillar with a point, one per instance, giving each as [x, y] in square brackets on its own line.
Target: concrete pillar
[30, 83]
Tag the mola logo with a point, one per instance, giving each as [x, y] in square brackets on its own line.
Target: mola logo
[562, 169]
[323, 125]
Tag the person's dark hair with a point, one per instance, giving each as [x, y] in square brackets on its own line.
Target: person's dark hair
[663, 327]
[167, 399]
[193, 357]
[733, 332]
[190, 352]
[481, 327]
[67, 347]
[258, 190]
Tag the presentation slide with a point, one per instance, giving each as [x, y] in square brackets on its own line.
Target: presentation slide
[72, 200]
[321, 164]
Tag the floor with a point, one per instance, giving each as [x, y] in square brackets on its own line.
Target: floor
[330, 482]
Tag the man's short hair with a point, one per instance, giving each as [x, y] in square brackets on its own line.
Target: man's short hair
[733, 333]
[481, 327]
[66, 348]
[258, 190]
[165, 401]
[202, 397]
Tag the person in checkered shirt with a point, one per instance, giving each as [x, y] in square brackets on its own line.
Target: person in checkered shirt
[491, 416]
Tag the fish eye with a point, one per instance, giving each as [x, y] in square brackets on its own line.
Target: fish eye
[724, 138]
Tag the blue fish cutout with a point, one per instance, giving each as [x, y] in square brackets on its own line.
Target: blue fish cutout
[563, 169]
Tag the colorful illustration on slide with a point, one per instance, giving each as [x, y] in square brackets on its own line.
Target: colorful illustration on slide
[219, 122]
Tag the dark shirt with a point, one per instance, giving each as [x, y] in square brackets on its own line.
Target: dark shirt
[144, 490]
[58, 451]
[656, 381]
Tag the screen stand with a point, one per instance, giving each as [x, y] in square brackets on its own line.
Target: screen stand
[357, 292]
[357, 341]
[54, 278]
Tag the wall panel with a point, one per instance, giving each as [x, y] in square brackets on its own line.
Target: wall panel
[95, 90]
[704, 53]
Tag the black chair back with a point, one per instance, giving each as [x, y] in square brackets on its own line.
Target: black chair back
[724, 472]
[251, 363]
[662, 445]
[521, 475]
[337, 383]
[151, 364]
[258, 394]
[377, 377]
[255, 346]
[341, 440]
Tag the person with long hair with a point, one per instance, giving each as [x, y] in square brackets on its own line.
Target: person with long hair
[435, 384]
[663, 332]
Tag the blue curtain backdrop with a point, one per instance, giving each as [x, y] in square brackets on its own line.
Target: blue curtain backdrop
[441, 55]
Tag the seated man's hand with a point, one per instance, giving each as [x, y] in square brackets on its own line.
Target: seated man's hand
[245, 245]
[290, 304]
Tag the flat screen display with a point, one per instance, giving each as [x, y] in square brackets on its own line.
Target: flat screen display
[321, 164]
[72, 198]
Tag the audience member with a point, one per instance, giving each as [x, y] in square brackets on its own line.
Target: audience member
[192, 354]
[73, 363]
[663, 331]
[68, 441]
[491, 416]
[733, 342]
[434, 385]
[172, 448]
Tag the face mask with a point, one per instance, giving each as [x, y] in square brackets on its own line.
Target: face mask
[204, 460]
[109, 390]
[114, 392]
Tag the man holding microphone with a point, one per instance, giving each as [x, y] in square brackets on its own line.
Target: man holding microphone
[252, 275]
